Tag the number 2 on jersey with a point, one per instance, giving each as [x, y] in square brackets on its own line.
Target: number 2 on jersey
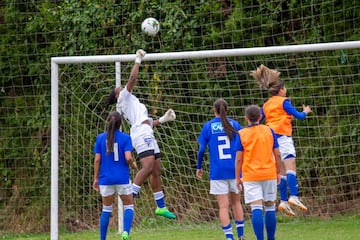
[223, 146]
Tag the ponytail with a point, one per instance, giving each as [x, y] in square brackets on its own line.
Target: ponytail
[268, 79]
[113, 123]
[221, 108]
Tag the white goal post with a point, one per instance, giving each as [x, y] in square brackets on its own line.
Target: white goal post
[117, 59]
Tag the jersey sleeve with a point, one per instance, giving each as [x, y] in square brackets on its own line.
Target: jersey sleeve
[97, 145]
[237, 126]
[128, 144]
[276, 144]
[123, 97]
[262, 115]
[237, 146]
[202, 140]
[290, 109]
[240, 146]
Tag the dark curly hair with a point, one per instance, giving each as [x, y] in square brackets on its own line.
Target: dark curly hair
[111, 98]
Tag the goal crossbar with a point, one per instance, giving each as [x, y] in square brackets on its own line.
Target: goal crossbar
[211, 53]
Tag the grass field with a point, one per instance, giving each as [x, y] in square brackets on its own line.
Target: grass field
[340, 227]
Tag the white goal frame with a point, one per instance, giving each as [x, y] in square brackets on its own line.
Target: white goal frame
[117, 59]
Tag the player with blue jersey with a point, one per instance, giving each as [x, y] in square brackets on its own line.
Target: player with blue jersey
[113, 156]
[220, 136]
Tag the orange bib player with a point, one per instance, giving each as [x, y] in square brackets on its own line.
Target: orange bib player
[279, 112]
[259, 162]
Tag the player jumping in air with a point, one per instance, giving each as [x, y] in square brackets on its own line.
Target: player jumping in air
[113, 156]
[221, 138]
[279, 113]
[142, 135]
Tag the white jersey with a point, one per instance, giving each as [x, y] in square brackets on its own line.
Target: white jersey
[133, 111]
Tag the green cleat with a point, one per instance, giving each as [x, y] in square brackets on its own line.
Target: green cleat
[125, 236]
[164, 212]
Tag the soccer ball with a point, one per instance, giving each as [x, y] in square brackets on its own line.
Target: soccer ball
[150, 26]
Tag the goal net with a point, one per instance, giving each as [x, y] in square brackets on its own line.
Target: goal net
[324, 76]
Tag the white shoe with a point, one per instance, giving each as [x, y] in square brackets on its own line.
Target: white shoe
[295, 201]
[285, 207]
[140, 54]
[168, 116]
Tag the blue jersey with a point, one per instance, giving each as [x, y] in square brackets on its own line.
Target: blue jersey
[222, 150]
[113, 166]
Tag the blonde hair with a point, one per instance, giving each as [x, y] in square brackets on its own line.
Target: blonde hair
[268, 79]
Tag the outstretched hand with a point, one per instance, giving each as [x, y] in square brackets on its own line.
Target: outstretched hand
[140, 54]
[306, 109]
[168, 116]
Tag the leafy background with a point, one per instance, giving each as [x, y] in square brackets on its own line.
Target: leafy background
[31, 32]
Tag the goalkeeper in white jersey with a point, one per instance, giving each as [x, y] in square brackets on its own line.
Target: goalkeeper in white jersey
[142, 135]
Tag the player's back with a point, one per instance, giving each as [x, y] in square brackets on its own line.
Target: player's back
[221, 148]
[276, 117]
[258, 162]
[113, 166]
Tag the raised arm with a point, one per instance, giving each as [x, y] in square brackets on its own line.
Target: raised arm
[290, 109]
[140, 54]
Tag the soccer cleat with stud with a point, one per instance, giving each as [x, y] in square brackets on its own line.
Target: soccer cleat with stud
[242, 238]
[295, 201]
[125, 236]
[285, 208]
[164, 212]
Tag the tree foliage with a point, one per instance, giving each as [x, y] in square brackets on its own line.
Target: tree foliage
[34, 31]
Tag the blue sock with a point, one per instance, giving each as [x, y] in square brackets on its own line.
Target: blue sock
[292, 182]
[270, 221]
[135, 189]
[240, 227]
[283, 188]
[228, 231]
[160, 199]
[104, 221]
[258, 221]
[128, 217]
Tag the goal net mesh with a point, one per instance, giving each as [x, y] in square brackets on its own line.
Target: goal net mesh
[327, 142]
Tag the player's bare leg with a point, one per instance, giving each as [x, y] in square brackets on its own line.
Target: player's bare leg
[238, 213]
[147, 166]
[223, 204]
[156, 186]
